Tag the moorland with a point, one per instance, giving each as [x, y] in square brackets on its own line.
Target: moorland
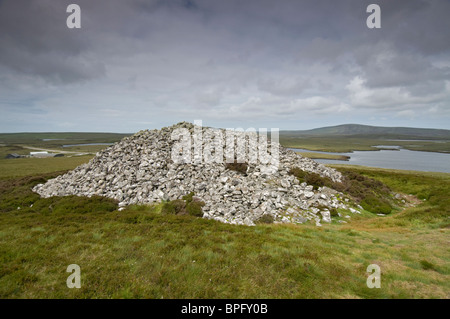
[140, 252]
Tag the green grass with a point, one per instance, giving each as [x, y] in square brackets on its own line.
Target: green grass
[142, 253]
[345, 144]
[19, 167]
[59, 138]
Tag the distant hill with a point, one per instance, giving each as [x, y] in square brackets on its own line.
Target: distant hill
[358, 130]
[54, 138]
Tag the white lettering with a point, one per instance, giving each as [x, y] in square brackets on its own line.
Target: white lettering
[374, 280]
[74, 280]
[74, 20]
[374, 20]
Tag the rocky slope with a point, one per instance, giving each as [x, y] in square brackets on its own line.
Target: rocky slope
[140, 170]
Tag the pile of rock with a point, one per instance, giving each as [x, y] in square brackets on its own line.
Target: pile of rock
[140, 170]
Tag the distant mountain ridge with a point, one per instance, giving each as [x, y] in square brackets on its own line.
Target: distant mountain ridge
[375, 131]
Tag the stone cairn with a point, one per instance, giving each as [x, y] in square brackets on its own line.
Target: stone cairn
[140, 170]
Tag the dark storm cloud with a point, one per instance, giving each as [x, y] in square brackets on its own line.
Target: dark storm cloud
[35, 41]
[225, 59]
[417, 26]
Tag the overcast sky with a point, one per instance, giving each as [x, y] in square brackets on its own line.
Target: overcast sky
[142, 64]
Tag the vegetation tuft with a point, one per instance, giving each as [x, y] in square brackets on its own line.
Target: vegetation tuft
[371, 194]
[187, 205]
[265, 219]
[333, 212]
[427, 265]
[310, 178]
[174, 207]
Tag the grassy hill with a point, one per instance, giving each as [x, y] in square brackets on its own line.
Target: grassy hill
[355, 137]
[59, 138]
[141, 253]
[373, 131]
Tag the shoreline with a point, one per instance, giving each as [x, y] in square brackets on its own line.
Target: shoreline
[314, 155]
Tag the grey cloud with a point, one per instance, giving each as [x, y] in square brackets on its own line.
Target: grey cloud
[54, 68]
[417, 25]
[392, 68]
[208, 98]
[285, 86]
[36, 41]
[253, 60]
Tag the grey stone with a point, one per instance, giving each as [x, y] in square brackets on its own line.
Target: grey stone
[309, 194]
